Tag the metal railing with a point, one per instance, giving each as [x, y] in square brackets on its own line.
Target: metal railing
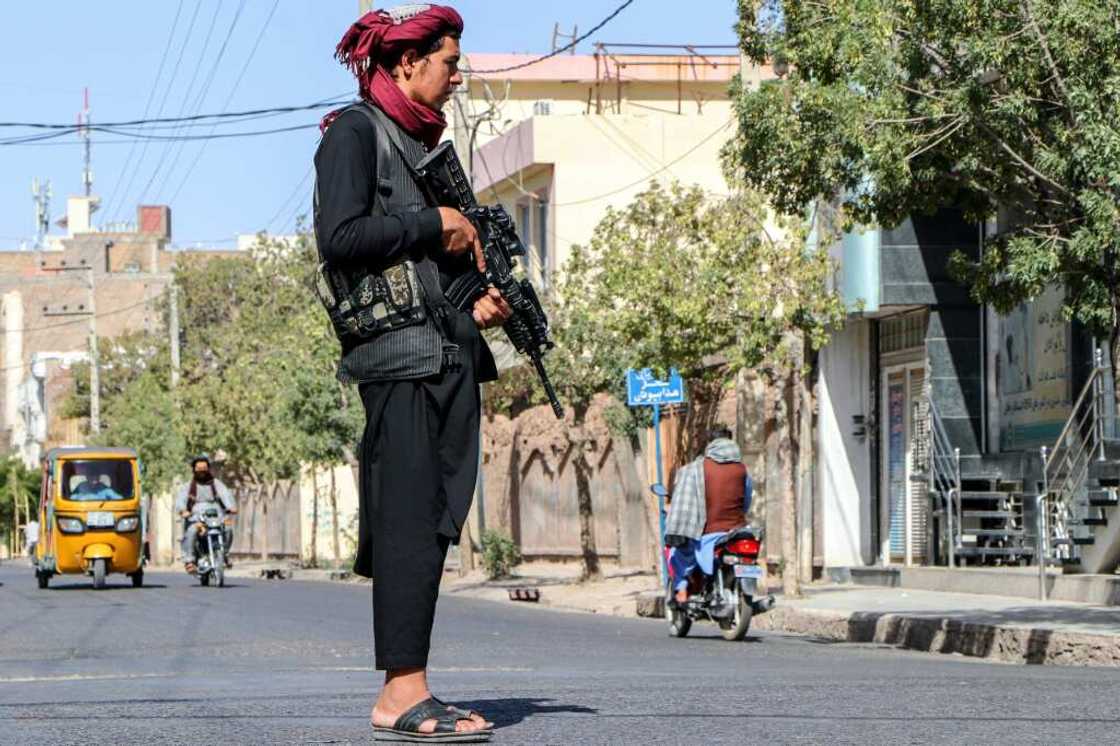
[941, 463]
[1065, 470]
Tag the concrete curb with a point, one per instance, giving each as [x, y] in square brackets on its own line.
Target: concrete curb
[932, 634]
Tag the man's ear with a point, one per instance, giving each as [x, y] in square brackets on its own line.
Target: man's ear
[408, 62]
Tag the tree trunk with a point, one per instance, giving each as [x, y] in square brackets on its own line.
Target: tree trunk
[791, 584]
[314, 561]
[588, 551]
[334, 515]
[466, 550]
[804, 395]
[264, 522]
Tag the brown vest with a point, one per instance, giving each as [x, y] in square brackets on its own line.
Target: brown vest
[724, 491]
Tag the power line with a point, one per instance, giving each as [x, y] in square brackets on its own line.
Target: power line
[151, 98]
[229, 98]
[203, 94]
[137, 137]
[287, 202]
[185, 102]
[83, 318]
[555, 52]
[159, 112]
[249, 113]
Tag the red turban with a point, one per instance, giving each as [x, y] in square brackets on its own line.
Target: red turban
[381, 36]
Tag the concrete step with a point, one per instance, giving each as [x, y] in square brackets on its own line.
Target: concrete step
[1087, 522]
[969, 551]
[1103, 498]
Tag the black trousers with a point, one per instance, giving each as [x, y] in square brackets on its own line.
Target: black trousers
[419, 461]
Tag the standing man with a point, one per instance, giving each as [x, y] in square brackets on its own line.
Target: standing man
[419, 382]
[203, 488]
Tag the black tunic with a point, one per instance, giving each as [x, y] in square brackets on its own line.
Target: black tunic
[420, 448]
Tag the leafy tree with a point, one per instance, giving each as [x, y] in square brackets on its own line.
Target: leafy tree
[19, 495]
[707, 285]
[896, 108]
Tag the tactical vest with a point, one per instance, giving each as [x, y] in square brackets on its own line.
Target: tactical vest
[415, 351]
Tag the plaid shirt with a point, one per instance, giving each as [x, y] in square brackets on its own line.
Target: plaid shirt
[688, 512]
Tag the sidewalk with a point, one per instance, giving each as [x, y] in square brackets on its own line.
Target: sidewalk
[998, 628]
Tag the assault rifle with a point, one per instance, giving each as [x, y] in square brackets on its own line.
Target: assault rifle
[443, 178]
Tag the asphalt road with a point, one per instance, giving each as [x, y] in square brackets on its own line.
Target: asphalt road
[290, 662]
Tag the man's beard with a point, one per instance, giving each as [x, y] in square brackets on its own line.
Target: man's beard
[204, 478]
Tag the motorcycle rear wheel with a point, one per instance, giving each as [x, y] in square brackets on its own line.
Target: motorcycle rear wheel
[204, 578]
[736, 628]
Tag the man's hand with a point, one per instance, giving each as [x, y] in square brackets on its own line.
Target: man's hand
[460, 236]
[491, 310]
[232, 511]
[184, 514]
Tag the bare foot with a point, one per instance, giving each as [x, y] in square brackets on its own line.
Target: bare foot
[405, 688]
[681, 596]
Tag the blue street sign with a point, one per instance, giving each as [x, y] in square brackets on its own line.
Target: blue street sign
[643, 390]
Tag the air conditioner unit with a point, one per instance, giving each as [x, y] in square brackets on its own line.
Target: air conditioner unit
[542, 108]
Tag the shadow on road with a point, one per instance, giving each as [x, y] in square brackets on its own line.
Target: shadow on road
[506, 712]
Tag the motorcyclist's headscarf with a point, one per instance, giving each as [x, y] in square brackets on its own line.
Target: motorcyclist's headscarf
[376, 41]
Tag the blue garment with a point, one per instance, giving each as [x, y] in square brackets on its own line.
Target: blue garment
[697, 553]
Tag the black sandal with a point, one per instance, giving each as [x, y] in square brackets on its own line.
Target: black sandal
[407, 726]
[463, 714]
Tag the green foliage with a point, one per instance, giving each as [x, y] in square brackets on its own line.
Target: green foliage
[897, 108]
[16, 482]
[684, 280]
[257, 379]
[499, 554]
[142, 416]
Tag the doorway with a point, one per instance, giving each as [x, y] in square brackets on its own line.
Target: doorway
[904, 517]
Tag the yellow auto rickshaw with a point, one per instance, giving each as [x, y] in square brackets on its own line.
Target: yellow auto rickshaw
[91, 515]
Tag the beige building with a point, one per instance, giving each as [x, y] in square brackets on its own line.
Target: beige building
[560, 141]
[46, 300]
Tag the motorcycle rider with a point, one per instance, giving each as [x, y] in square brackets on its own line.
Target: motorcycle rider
[711, 497]
[203, 490]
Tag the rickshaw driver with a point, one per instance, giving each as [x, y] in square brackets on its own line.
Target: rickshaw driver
[91, 488]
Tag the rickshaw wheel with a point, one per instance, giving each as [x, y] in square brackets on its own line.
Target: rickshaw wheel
[138, 579]
[44, 578]
[99, 574]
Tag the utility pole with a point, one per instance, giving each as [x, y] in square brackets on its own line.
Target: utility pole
[173, 331]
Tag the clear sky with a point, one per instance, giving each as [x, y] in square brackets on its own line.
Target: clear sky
[52, 49]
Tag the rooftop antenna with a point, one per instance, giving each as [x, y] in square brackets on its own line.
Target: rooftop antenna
[84, 134]
[41, 196]
[557, 36]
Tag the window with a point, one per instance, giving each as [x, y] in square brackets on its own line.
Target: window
[95, 480]
[542, 239]
[903, 332]
[523, 230]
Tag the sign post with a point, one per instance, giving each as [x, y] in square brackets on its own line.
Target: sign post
[644, 390]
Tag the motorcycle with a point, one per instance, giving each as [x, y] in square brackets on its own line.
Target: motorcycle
[212, 547]
[730, 597]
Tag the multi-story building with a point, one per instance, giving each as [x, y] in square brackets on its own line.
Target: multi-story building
[48, 297]
[934, 411]
[560, 141]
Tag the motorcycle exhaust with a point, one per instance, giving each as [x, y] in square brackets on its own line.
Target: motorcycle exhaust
[762, 605]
